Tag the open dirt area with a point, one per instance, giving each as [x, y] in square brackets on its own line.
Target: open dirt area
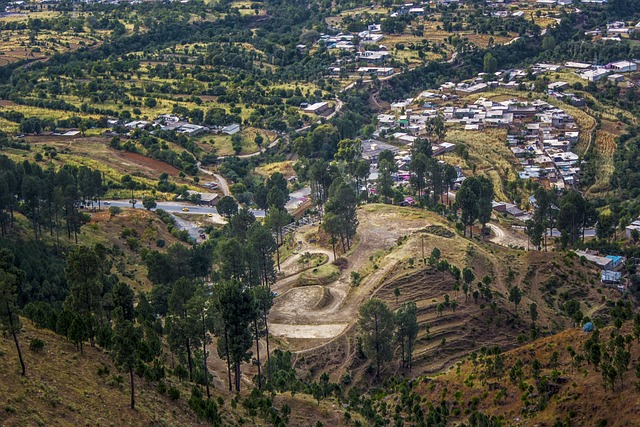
[319, 322]
[325, 311]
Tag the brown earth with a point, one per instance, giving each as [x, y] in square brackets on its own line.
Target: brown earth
[303, 319]
[152, 166]
[578, 394]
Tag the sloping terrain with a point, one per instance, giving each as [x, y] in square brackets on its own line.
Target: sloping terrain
[320, 321]
[65, 388]
[572, 391]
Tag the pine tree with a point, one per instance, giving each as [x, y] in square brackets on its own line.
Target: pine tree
[125, 347]
[10, 278]
[376, 326]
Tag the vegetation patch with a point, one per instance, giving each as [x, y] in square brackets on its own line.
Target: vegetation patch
[321, 275]
[438, 230]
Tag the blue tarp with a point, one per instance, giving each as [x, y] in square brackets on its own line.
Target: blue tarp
[588, 327]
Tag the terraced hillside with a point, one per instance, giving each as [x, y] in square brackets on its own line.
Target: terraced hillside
[320, 321]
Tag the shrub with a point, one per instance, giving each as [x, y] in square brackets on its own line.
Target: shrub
[114, 210]
[36, 345]
[133, 243]
[174, 393]
[103, 371]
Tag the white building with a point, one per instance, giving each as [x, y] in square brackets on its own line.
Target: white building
[623, 66]
[595, 75]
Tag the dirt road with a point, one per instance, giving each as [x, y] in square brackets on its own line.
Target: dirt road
[324, 312]
[506, 238]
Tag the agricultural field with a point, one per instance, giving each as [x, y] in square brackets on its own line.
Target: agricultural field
[488, 155]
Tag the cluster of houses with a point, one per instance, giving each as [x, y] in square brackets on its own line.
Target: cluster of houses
[371, 149]
[613, 71]
[614, 30]
[171, 122]
[542, 141]
[610, 266]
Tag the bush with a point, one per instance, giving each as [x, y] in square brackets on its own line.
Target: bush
[356, 278]
[162, 387]
[341, 263]
[174, 393]
[36, 345]
[114, 210]
[133, 243]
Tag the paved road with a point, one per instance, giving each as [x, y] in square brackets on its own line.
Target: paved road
[224, 185]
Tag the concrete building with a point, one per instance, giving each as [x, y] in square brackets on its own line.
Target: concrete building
[378, 71]
[622, 66]
[231, 129]
[635, 225]
[595, 75]
[602, 262]
[317, 108]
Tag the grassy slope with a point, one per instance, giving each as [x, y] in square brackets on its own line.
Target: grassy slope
[472, 325]
[62, 387]
[582, 394]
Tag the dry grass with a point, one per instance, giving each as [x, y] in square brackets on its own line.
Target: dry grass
[62, 387]
[580, 396]
[489, 153]
[223, 142]
[285, 168]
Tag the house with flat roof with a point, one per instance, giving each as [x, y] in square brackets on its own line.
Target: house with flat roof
[609, 262]
[595, 75]
[610, 277]
[317, 108]
[372, 148]
[622, 66]
[231, 129]
[635, 225]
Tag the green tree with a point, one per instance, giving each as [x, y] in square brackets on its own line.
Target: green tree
[548, 42]
[276, 219]
[227, 207]
[78, 332]
[149, 202]
[385, 180]
[469, 208]
[183, 334]
[342, 203]
[407, 330]
[515, 296]
[237, 313]
[490, 63]
[376, 326]
[332, 225]
[125, 349]
[85, 272]
[10, 279]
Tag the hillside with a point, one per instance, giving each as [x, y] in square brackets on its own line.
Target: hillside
[320, 321]
[63, 387]
[571, 391]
